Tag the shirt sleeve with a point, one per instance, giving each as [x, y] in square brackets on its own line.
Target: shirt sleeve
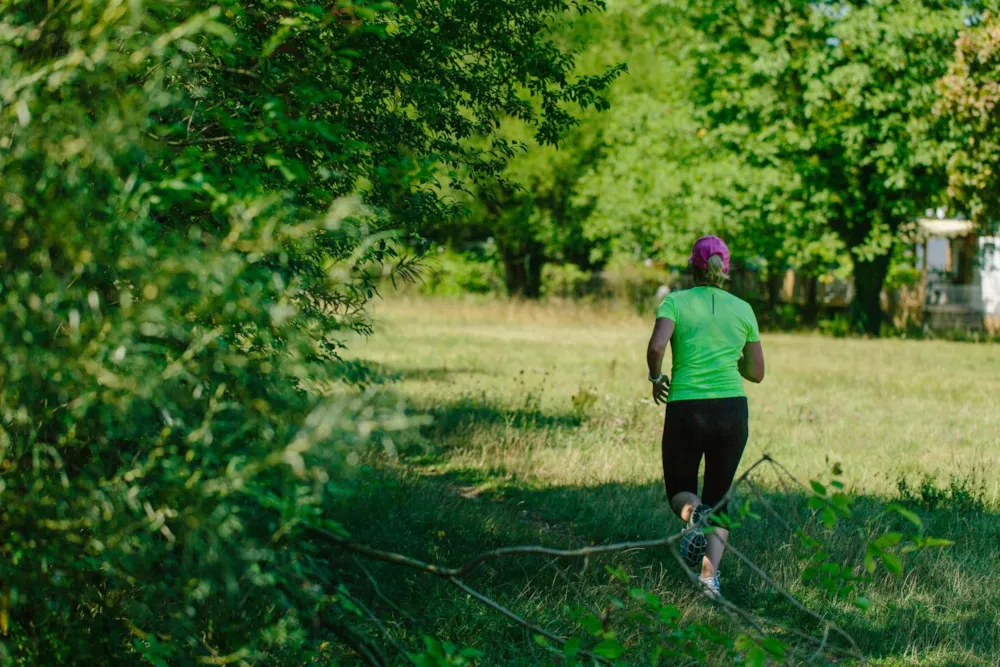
[668, 308]
[753, 330]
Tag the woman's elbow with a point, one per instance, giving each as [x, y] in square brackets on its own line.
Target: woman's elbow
[757, 377]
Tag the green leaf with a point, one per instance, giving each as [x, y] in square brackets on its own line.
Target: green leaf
[937, 542]
[774, 647]
[817, 488]
[906, 514]
[862, 602]
[888, 540]
[471, 653]
[592, 624]
[669, 614]
[841, 501]
[755, 657]
[816, 504]
[743, 642]
[870, 564]
[276, 40]
[892, 563]
[609, 648]
[572, 648]
[828, 517]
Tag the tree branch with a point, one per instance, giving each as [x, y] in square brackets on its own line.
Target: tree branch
[378, 591]
[503, 552]
[378, 623]
[738, 616]
[517, 619]
[791, 598]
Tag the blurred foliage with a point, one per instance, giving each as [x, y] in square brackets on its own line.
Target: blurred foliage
[449, 273]
[181, 260]
[841, 97]
[805, 133]
[970, 93]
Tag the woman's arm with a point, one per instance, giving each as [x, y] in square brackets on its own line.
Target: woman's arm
[655, 351]
[752, 362]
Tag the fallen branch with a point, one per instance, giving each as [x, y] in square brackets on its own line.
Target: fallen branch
[503, 552]
[791, 598]
[378, 591]
[376, 621]
[738, 616]
[517, 619]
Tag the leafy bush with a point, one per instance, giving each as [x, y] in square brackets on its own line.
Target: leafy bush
[567, 281]
[453, 274]
[838, 326]
[180, 267]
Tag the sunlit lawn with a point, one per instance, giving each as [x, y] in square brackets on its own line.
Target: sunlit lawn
[544, 432]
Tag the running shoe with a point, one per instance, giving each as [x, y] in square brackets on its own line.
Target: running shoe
[694, 543]
[710, 586]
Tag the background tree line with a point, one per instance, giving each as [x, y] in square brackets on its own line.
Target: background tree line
[806, 133]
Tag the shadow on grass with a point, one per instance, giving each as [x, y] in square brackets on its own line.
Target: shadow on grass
[449, 417]
[942, 610]
[430, 374]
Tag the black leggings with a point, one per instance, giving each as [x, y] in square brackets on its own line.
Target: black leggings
[715, 428]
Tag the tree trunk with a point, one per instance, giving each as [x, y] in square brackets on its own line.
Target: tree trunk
[866, 307]
[811, 311]
[523, 269]
[774, 289]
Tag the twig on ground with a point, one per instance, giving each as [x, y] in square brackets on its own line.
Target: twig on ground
[449, 572]
[469, 566]
[731, 610]
[378, 591]
[517, 619]
[737, 615]
[791, 598]
[368, 653]
[822, 645]
[769, 508]
[576, 589]
[378, 623]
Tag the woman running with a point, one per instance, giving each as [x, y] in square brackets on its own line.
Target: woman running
[714, 340]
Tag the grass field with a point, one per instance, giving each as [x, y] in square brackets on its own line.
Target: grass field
[544, 433]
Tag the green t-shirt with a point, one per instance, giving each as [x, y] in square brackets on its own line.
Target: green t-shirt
[711, 328]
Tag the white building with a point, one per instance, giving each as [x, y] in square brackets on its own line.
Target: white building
[961, 273]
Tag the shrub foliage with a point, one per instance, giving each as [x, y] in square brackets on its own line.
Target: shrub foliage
[179, 253]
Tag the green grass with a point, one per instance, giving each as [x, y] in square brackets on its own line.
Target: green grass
[544, 433]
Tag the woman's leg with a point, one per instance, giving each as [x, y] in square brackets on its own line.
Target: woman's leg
[722, 458]
[682, 454]
[717, 540]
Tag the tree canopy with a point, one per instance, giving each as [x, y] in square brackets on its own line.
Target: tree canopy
[841, 97]
[806, 133]
[970, 93]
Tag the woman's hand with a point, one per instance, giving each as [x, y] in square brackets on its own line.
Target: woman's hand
[661, 390]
